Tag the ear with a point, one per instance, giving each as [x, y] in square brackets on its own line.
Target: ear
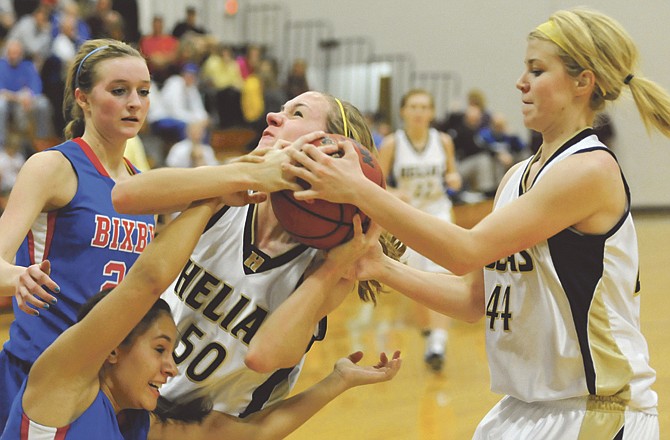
[113, 357]
[81, 98]
[586, 82]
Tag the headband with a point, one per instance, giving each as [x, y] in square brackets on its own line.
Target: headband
[344, 117]
[548, 28]
[81, 63]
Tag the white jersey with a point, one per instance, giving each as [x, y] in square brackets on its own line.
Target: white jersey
[563, 317]
[420, 174]
[219, 301]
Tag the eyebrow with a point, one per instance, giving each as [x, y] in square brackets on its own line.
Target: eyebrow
[166, 337]
[299, 104]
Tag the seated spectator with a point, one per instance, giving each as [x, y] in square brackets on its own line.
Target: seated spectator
[7, 17]
[222, 82]
[296, 82]
[250, 60]
[11, 161]
[475, 161]
[161, 51]
[506, 148]
[454, 119]
[70, 8]
[189, 24]
[34, 33]
[192, 151]
[21, 94]
[103, 21]
[179, 104]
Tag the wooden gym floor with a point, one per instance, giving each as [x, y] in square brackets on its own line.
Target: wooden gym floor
[421, 405]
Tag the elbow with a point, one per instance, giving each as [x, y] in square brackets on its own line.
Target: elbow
[122, 199]
[259, 362]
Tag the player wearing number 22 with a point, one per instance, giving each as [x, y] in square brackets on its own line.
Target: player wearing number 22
[60, 209]
[246, 270]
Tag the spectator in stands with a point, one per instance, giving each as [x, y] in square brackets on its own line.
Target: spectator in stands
[34, 32]
[475, 161]
[506, 148]
[189, 24]
[180, 104]
[161, 51]
[222, 82]
[261, 94]
[7, 17]
[70, 8]
[104, 21]
[192, 151]
[11, 161]
[475, 98]
[21, 94]
[296, 82]
[250, 60]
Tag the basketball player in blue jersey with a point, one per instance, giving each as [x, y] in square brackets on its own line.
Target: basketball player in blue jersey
[554, 268]
[98, 385]
[421, 166]
[61, 239]
[251, 300]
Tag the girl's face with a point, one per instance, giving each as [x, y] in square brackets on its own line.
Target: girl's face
[145, 365]
[118, 103]
[418, 111]
[547, 91]
[301, 115]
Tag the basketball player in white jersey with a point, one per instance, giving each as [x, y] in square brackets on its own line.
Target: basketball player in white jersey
[420, 166]
[554, 268]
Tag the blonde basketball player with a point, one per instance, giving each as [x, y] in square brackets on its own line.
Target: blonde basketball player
[558, 289]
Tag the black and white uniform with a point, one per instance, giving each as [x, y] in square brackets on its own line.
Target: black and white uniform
[420, 175]
[219, 301]
[563, 330]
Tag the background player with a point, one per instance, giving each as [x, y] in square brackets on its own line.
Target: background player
[420, 166]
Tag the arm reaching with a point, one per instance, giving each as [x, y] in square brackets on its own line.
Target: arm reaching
[281, 419]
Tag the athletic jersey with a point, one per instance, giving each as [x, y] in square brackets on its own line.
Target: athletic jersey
[420, 174]
[89, 244]
[98, 422]
[219, 301]
[563, 317]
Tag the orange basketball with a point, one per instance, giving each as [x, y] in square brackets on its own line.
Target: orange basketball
[323, 224]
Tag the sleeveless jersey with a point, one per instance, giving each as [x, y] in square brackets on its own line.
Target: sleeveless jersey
[563, 317]
[98, 422]
[219, 301]
[89, 244]
[421, 173]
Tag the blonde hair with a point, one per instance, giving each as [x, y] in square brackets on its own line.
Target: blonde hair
[358, 129]
[82, 74]
[589, 40]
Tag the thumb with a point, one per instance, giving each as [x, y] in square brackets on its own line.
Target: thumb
[45, 266]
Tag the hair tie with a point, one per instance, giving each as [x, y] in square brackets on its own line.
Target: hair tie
[81, 63]
[344, 117]
[628, 78]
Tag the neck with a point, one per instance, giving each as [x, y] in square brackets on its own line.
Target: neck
[418, 136]
[270, 237]
[110, 153]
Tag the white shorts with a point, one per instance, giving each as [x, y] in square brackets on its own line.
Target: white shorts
[568, 419]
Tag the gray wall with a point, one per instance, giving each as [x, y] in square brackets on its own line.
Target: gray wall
[485, 42]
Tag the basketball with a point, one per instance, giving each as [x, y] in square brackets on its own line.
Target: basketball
[322, 224]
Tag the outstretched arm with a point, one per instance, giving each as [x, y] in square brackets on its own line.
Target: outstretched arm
[171, 189]
[66, 375]
[282, 418]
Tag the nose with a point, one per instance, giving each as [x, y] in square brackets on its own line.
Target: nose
[134, 99]
[274, 119]
[522, 83]
[170, 367]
